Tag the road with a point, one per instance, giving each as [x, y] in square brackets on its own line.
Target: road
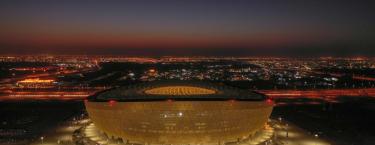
[273, 94]
[17, 96]
[318, 93]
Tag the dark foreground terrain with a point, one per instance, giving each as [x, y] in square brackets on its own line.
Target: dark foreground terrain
[347, 123]
[22, 122]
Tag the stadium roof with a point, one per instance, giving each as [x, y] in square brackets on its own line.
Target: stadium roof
[177, 91]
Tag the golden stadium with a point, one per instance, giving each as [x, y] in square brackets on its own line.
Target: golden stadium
[179, 112]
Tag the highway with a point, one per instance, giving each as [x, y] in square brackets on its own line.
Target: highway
[17, 96]
[329, 94]
[275, 94]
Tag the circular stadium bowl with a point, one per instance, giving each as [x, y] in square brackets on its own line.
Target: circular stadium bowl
[179, 113]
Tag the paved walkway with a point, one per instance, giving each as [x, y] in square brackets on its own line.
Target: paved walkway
[276, 133]
[62, 135]
[289, 134]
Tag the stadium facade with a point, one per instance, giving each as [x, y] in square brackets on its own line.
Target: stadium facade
[179, 112]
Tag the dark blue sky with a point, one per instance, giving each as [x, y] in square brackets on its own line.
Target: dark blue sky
[188, 27]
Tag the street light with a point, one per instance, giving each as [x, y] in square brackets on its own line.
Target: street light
[316, 136]
[42, 139]
[286, 130]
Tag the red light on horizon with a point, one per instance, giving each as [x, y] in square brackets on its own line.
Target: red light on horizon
[169, 100]
[232, 101]
[269, 101]
[111, 103]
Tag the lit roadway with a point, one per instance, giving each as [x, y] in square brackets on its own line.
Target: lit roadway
[329, 94]
[322, 94]
[17, 96]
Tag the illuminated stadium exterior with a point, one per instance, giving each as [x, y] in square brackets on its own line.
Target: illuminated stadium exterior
[179, 112]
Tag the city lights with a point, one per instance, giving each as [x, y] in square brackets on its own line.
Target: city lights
[187, 72]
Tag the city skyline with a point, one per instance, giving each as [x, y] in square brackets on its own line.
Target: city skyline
[217, 28]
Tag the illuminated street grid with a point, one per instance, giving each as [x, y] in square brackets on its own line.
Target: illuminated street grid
[275, 133]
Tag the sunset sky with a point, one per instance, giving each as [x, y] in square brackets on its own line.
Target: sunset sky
[188, 27]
